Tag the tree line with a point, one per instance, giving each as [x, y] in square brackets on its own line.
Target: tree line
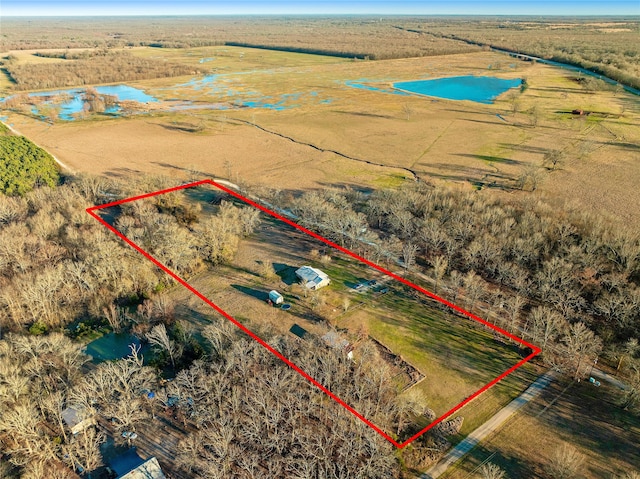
[609, 49]
[113, 66]
[567, 282]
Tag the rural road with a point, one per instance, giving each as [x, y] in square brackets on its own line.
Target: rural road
[488, 427]
[597, 373]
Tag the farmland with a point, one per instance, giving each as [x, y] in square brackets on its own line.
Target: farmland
[208, 126]
[524, 210]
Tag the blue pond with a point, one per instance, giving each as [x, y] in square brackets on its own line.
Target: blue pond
[111, 346]
[75, 104]
[478, 89]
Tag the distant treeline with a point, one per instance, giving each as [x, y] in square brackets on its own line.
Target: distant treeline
[603, 45]
[609, 48]
[103, 68]
[350, 36]
[311, 51]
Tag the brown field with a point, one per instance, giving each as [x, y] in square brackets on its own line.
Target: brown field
[447, 141]
[578, 414]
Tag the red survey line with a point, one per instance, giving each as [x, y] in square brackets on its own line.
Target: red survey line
[131, 243]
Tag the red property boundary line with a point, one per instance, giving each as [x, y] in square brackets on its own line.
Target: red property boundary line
[536, 350]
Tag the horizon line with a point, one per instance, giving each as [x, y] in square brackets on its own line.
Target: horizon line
[318, 14]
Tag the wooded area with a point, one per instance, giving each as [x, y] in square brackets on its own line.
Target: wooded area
[109, 67]
[567, 282]
[24, 166]
[603, 45]
[562, 280]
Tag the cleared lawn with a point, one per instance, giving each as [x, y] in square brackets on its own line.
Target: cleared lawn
[456, 355]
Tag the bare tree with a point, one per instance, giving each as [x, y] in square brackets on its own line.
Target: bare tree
[578, 348]
[159, 337]
[553, 159]
[565, 463]
[440, 265]
[409, 251]
[491, 471]
[407, 110]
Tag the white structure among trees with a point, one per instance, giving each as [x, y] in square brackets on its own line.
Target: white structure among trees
[312, 278]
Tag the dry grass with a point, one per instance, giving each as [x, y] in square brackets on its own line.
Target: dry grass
[578, 414]
[442, 140]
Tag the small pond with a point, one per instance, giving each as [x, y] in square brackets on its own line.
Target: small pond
[111, 346]
[472, 88]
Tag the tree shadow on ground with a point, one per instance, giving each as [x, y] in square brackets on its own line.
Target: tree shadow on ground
[286, 273]
[255, 293]
[492, 159]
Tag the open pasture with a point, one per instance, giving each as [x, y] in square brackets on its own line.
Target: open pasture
[575, 414]
[306, 126]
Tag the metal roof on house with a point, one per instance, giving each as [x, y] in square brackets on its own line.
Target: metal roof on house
[311, 276]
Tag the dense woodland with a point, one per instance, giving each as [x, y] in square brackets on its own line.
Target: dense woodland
[64, 277]
[23, 165]
[563, 281]
[607, 46]
[567, 282]
[105, 67]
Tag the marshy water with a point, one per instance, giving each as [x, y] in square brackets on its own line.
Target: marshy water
[73, 102]
[227, 91]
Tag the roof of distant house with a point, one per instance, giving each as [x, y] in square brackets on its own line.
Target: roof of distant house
[333, 340]
[150, 469]
[71, 416]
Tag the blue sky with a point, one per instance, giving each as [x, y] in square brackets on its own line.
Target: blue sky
[387, 7]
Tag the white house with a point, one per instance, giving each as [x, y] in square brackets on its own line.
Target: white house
[312, 278]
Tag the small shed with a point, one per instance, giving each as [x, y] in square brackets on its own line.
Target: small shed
[298, 331]
[275, 297]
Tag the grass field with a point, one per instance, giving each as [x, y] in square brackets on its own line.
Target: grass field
[578, 414]
[456, 142]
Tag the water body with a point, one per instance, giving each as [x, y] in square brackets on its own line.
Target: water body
[363, 86]
[75, 103]
[111, 346]
[479, 89]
